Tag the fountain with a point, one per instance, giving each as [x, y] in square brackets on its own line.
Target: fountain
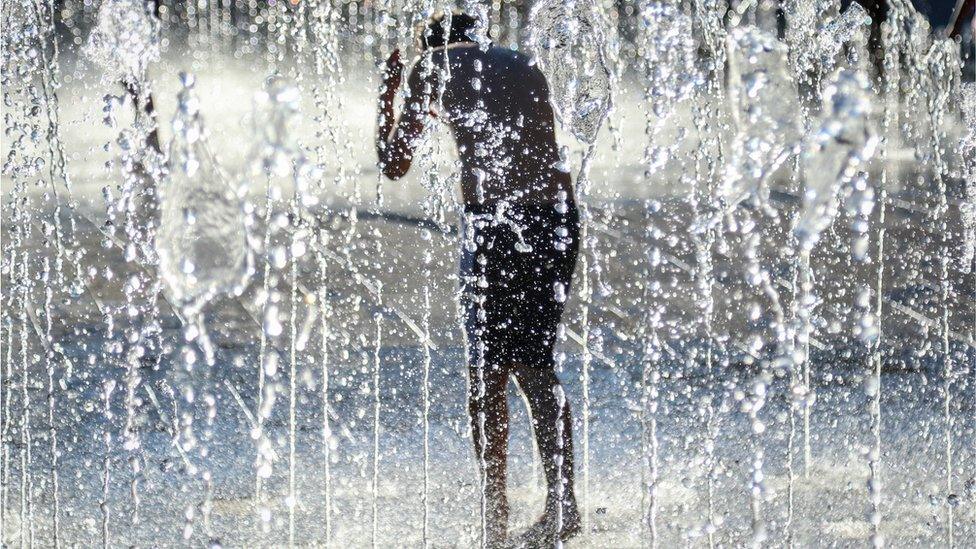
[212, 332]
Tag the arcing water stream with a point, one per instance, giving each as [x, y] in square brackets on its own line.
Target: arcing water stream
[217, 329]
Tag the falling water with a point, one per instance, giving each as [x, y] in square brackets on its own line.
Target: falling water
[375, 486]
[569, 43]
[191, 274]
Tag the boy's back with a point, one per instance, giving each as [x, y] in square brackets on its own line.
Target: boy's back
[497, 106]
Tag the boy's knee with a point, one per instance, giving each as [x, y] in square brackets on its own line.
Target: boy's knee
[534, 378]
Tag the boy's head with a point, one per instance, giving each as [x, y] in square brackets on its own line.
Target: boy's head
[462, 30]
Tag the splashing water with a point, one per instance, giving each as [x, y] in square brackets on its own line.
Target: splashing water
[817, 34]
[568, 42]
[968, 207]
[201, 240]
[771, 323]
[841, 143]
[765, 111]
[838, 33]
[125, 40]
[669, 51]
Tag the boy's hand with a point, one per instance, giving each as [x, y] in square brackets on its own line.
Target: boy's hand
[392, 73]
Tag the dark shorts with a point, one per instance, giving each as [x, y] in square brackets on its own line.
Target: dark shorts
[516, 269]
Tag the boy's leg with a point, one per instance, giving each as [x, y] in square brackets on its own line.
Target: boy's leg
[484, 307]
[553, 425]
[488, 410]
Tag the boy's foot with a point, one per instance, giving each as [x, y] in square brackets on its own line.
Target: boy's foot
[544, 533]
